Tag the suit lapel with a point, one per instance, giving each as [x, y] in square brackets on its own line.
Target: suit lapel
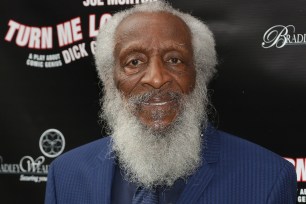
[197, 183]
[102, 176]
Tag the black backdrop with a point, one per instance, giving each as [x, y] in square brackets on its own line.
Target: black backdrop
[49, 105]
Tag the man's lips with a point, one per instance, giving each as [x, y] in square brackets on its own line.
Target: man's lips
[159, 102]
[156, 99]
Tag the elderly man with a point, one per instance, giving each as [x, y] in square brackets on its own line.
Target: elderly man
[155, 63]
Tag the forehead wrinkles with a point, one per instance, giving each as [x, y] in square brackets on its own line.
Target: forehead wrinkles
[163, 25]
[147, 21]
[147, 25]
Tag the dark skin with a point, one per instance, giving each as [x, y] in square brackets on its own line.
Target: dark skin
[153, 52]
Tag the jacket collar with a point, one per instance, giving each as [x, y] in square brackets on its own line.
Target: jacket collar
[197, 183]
[211, 145]
[103, 172]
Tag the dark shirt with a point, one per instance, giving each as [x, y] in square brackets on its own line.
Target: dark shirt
[123, 191]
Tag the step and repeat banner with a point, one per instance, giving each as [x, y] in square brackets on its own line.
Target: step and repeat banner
[50, 91]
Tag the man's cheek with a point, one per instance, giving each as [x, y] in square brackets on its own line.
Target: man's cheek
[126, 85]
[129, 85]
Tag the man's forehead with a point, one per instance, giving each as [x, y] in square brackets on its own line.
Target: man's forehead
[136, 21]
[153, 27]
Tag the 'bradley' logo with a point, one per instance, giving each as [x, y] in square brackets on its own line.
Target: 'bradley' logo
[280, 36]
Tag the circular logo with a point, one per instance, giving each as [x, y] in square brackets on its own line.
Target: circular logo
[52, 143]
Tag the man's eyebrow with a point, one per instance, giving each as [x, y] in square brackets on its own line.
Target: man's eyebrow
[130, 49]
[177, 45]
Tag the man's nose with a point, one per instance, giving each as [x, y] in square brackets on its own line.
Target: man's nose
[156, 74]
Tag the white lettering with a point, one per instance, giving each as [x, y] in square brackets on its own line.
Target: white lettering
[13, 27]
[33, 37]
[126, 2]
[33, 63]
[64, 34]
[35, 179]
[53, 57]
[57, 63]
[74, 53]
[28, 178]
[92, 24]
[86, 3]
[23, 36]
[276, 36]
[46, 37]
[93, 32]
[9, 168]
[280, 36]
[301, 199]
[28, 164]
[93, 3]
[76, 29]
[112, 2]
[66, 56]
[301, 169]
[39, 57]
[69, 32]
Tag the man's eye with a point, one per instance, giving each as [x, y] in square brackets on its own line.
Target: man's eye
[135, 62]
[174, 60]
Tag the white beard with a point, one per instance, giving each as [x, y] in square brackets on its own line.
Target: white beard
[149, 159]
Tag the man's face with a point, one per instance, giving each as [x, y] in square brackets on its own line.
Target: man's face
[154, 63]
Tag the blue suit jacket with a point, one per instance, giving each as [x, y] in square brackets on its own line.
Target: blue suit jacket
[234, 171]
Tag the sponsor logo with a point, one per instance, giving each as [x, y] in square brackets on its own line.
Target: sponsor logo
[51, 144]
[280, 36]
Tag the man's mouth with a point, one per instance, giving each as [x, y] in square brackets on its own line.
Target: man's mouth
[156, 109]
[158, 102]
[156, 98]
